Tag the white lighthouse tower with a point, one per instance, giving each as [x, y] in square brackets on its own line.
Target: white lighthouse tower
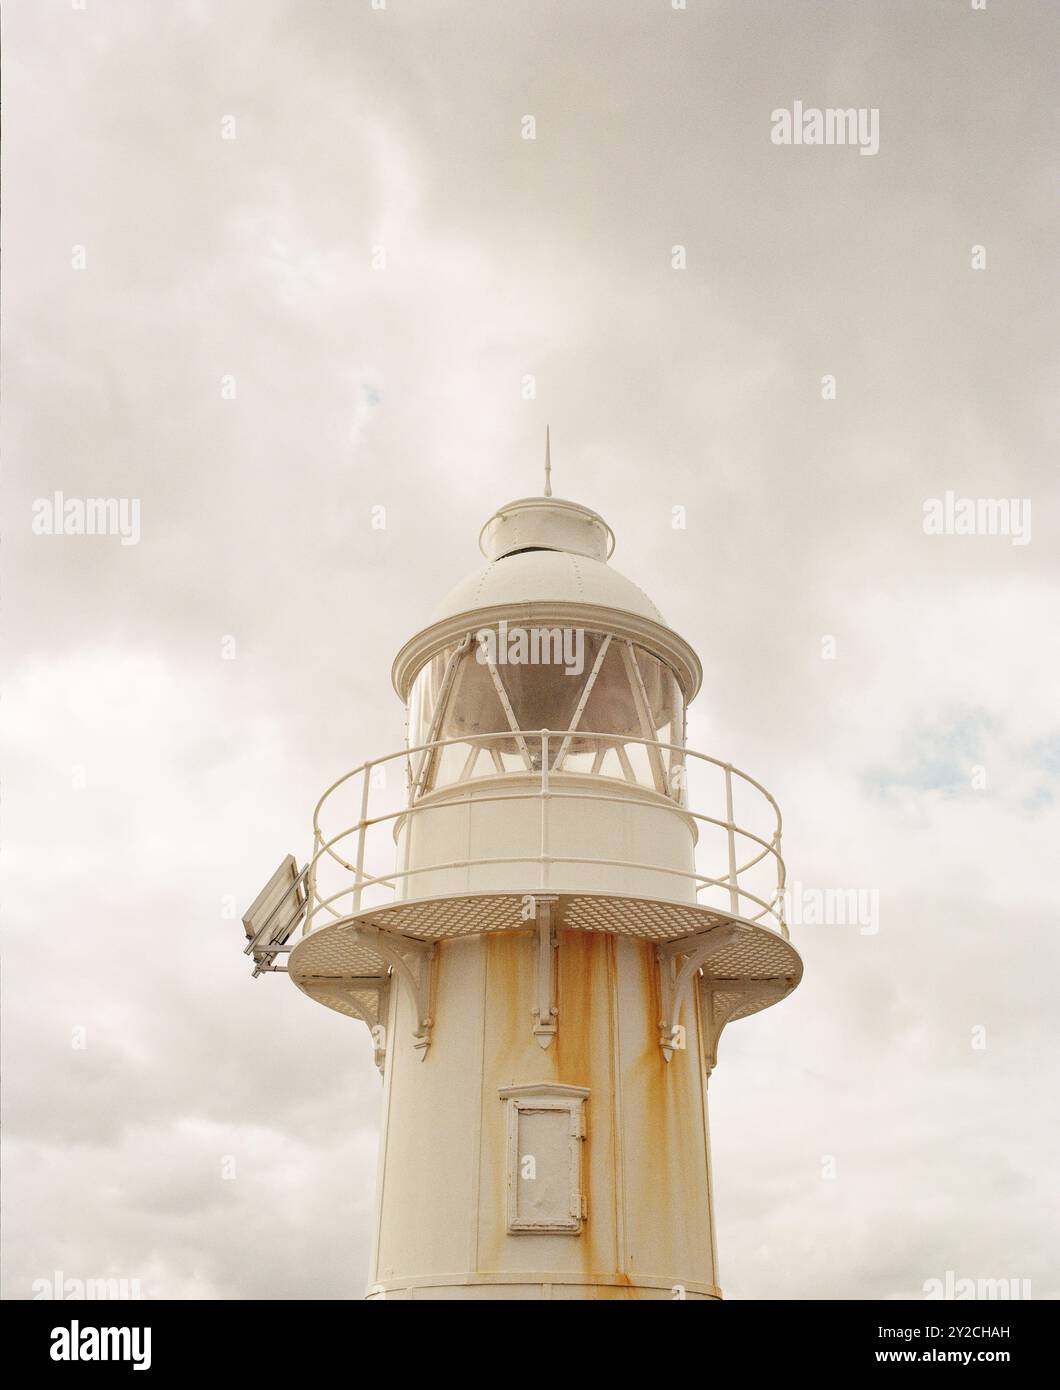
[546, 908]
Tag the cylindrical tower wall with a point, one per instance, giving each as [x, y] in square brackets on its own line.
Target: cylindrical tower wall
[494, 833]
[447, 1146]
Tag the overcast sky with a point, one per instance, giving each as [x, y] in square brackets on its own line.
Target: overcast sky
[148, 781]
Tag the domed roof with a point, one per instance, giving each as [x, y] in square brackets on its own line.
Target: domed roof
[547, 576]
[548, 564]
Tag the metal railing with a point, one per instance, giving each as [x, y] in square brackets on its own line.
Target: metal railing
[545, 785]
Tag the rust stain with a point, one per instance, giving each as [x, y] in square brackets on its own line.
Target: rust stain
[582, 1049]
[583, 1054]
[653, 1080]
[512, 1057]
[505, 1000]
[677, 1193]
[575, 996]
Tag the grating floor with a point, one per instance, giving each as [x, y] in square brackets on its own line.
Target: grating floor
[337, 952]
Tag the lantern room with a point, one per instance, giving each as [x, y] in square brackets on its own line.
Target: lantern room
[547, 636]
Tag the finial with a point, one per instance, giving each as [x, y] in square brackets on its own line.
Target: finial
[548, 464]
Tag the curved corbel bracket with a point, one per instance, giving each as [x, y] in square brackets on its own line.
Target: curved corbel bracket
[721, 999]
[364, 997]
[411, 960]
[679, 963]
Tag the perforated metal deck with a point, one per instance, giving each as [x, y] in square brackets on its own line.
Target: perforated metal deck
[338, 966]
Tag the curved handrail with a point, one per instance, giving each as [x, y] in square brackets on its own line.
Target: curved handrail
[407, 812]
[406, 752]
[541, 785]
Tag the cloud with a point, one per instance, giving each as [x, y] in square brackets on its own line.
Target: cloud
[151, 780]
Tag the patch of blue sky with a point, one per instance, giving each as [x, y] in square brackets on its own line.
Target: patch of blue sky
[940, 755]
[1044, 754]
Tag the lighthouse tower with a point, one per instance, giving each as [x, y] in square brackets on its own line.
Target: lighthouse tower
[546, 907]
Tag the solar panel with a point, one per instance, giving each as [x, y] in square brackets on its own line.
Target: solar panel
[277, 909]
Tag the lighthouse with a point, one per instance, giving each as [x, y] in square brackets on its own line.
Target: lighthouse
[546, 907]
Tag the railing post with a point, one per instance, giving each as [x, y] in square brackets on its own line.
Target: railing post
[360, 837]
[781, 887]
[734, 894]
[311, 893]
[544, 808]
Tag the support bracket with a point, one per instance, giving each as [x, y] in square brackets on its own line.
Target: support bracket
[546, 1011]
[679, 962]
[365, 997]
[412, 961]
[722, 997]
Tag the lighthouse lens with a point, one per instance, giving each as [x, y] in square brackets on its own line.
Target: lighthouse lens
[545, 693]
[605, 701]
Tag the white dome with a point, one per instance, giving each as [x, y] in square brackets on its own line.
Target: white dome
[547, 576]
[548, 565]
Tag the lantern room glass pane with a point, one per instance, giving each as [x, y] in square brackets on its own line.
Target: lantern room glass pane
[545, 693]
[598, 695]
[473, 705]
[423, 698]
